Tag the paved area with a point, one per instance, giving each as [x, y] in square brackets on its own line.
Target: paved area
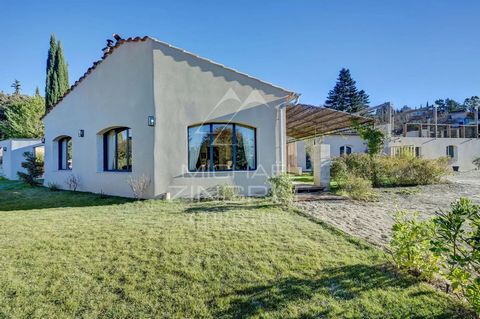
[372, 221]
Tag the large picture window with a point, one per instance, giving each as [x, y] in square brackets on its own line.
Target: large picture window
[221, 147]
[117, 150]
[65, 153]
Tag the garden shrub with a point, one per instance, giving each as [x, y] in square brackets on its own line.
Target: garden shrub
[227, 192]
[34, 168]
[391, 171]
[355, 187]
[411, 243]
[457, 240]
[281, 189]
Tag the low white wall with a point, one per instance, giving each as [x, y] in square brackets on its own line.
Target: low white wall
[357, 144]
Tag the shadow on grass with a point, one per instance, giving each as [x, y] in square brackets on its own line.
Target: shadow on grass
[15, 195]
[222, 207]
[342, 283]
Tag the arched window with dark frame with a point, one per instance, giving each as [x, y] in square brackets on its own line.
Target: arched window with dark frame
[345, 150]
[222, 147]
[65, 153]
[117, 150]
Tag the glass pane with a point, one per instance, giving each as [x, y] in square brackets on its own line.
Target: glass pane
[68, 154]
[110, 154]
[199, 148]
[222, 147]
[245, 148]
[122, 163]
[129, 148]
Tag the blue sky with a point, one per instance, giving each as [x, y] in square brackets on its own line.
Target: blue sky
[406, 52]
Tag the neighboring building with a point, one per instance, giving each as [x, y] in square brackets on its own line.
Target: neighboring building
[148, 110]
[460, 151]
[11, 155]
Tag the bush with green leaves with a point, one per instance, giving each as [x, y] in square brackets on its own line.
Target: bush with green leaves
[457, 240]
[34, 168]
[355, 187]
[391, 171]
[281, 189]
[411, 243]
[227, 192]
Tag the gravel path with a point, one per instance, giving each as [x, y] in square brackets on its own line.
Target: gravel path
[372, 221]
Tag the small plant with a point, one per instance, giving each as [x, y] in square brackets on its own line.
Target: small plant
[72, 182]
[411, 243]
[476, 162]
[34, 168]
[281, 189]
[355, 187]
[139, 185]
[458, 242]
[54, 187]
[227, 192]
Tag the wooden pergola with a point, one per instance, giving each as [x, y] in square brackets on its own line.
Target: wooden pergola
[307, 121]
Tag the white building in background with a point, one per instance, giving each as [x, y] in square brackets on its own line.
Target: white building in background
[460, 151]
[11, 155]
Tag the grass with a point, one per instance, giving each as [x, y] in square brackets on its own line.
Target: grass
[116, 259]
[305, 178]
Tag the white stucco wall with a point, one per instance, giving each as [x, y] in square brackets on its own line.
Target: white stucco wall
[190, 91]
[13, 156]
[150, 78]
[467, 149]
[357, 144]
[119, 92]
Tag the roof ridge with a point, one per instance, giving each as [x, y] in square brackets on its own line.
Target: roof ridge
[142, 39]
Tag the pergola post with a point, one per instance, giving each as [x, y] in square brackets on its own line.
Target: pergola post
[321, 165]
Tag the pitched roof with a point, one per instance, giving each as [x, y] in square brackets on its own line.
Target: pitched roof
[119, 42]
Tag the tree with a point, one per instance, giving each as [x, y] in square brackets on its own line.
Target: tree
[57, 74]
[37, 92]
[344, 96]
[441, 107]
[22, 117]
[471, 103]
[452, 105]
[16, 87]
[34, 168]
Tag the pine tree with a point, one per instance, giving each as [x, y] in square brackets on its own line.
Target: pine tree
[16, 87]
[344, 96]
[37, 92]
[49, 91]
[57, 74]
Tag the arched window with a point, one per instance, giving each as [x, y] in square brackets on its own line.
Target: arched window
[65, 153]
[345, 150]
[117, 150]
[221, 147]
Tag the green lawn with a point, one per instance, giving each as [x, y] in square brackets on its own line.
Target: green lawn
[117, 259]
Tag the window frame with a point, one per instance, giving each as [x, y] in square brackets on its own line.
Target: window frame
[234, 147]
[60, 153]
[128, 151]
[345, 147]
[454, 153]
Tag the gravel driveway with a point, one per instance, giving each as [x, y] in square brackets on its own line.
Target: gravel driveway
[372, 221]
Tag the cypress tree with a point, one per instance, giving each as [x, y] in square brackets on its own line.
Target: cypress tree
[49, 92]
[62, 71]
[345, 96]
[57, 74]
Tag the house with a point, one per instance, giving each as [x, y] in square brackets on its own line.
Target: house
[11, 155]
[152, 114]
